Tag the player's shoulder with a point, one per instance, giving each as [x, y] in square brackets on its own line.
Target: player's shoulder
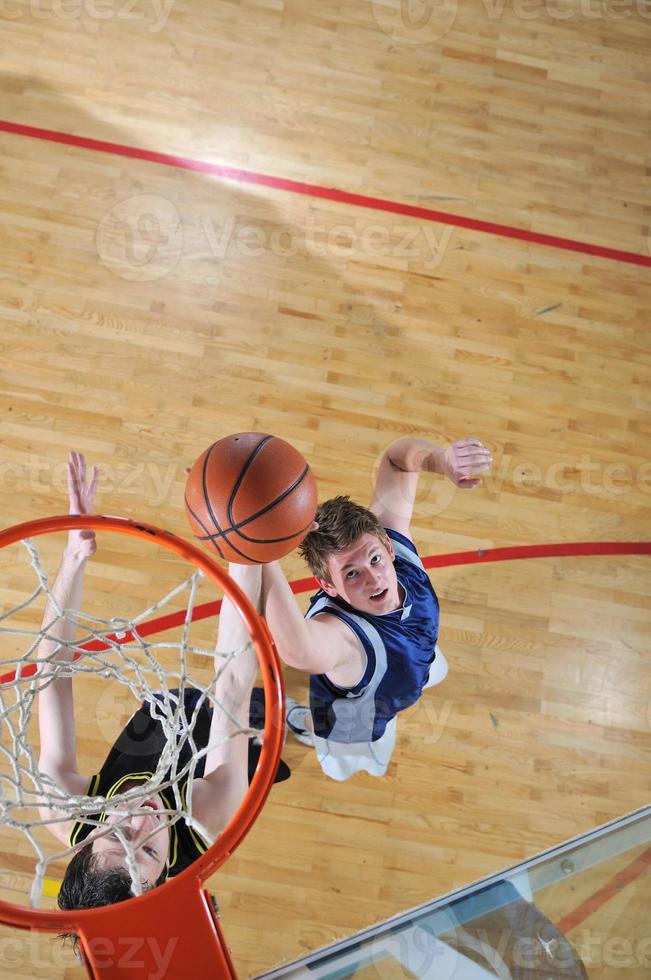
[401, 538]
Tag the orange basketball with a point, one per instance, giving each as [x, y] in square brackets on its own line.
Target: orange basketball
[250, 498]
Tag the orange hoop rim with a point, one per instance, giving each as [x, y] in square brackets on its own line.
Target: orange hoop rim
[272, 680]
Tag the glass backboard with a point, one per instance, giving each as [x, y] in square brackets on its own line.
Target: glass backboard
[579, 910]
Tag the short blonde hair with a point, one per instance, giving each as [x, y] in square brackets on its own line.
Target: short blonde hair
[341, 523]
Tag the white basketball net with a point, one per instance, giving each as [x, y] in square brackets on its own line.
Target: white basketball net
[134, 664]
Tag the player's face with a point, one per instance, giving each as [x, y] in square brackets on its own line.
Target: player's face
[364, 576]
[147, 832]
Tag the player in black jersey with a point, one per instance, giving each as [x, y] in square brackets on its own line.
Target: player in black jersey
[98, 873]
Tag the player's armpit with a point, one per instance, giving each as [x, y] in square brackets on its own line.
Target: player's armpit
[315, 647]
[329, 646]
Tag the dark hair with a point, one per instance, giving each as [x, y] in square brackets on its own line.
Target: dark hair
[341, 523]
[84, 887]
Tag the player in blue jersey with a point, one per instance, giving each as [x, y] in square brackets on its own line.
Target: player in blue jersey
[368, 640]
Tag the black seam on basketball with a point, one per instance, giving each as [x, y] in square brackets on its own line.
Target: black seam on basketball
[211, 538]
[206, 498]
[278, 500]
[208, 536]
[289, 537]
[243, 472]
[235, 528]
[248, 520]
[224, 535]
[242, 554]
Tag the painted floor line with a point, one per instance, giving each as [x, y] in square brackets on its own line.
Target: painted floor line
[326, 193]
[479, 556]
[606, 892]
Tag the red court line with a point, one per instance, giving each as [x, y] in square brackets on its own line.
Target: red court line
[604, 894]
[326, 193]
[479, 556]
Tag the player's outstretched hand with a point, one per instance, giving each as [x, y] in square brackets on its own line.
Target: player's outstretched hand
[81, 497]
[464, 461]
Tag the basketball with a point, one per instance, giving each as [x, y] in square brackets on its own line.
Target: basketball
[250, 498]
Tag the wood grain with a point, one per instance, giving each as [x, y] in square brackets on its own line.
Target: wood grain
[139, 332]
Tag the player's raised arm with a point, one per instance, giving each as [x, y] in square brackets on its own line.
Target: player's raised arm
[216, 797]
[395, 487]
[314, 646]
[58, 753]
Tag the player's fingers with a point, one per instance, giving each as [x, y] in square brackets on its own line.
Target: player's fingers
[475, 449]
[74, 502]
[94, 480]
[474, 466]
[468, 442]
[475, 463]
[80, 470]
[474, 460]
[73, 482]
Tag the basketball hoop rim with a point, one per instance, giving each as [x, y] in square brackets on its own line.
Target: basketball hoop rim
[272, 679]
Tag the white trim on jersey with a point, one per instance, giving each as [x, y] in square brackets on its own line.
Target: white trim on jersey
[355, 713]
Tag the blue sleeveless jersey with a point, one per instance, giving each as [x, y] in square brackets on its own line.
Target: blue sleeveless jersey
[399, 647]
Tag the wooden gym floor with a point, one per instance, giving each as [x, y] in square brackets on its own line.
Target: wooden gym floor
[149, 309]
